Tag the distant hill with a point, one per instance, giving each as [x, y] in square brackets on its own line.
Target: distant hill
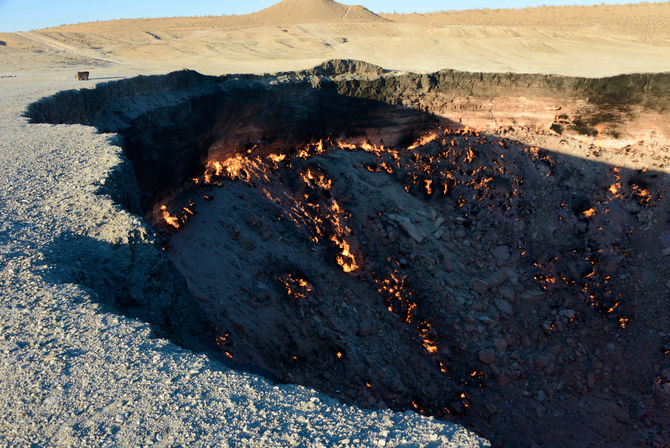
[313, 11]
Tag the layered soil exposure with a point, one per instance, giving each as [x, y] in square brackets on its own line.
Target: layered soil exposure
[485, 248]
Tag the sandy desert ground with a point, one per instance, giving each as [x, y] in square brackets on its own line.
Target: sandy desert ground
[75, 373]
[578, 41]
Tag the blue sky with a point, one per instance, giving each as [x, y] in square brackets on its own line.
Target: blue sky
[24, 15]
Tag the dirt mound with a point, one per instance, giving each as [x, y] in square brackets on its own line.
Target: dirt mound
[336, 67]
[313, 11]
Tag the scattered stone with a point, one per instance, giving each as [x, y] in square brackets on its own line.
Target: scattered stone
[502, 379]
[486, 320]
[542, 361]
[511, 274]
[497, 278]
[247, 244]
[504, 307]
[581, 227]
[632, 207]
[501, 253]
[480, 286]
[456, 407]
[266, 234]
[412, 230]
[508, 293]
[532, 295]
[487, 356]
[567, 314]
[500, 344]
[364, 330]
[591, 379]
[609, 264]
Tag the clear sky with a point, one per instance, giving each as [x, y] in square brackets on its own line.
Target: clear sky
[24, 15]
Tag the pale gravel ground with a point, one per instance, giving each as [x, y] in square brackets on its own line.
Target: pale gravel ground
[73, 373]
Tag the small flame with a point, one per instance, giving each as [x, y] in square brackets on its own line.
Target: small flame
[276, 158]
[424, 140]
[588, 213]
[296, 287]
[346, 260]
[318, 180]
[344, 145]
[169, 219]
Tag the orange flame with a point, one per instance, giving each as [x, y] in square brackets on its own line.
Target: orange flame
[344, 145]
[588, 213]
[276, 158]
[169, 219]
[346, 261]
[424, 140]
[296, 287]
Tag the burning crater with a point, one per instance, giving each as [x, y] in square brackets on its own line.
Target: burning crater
[350, 230]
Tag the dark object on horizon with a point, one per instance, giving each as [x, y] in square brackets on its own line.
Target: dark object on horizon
[81, 76]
